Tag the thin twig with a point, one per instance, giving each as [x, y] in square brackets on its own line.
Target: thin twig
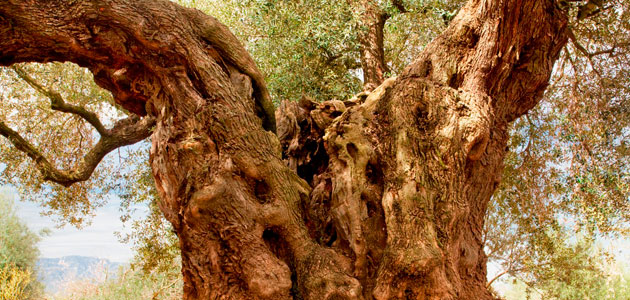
[57, 103]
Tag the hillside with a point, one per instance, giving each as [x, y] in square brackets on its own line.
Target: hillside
[55, 273]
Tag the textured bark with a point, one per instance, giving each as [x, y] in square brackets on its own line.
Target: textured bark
[411, 166]
[379, 197]
[371, 37]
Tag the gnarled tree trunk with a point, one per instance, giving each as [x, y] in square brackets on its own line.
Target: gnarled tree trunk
[378, 197]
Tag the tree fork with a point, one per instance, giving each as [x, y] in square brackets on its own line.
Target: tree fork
[436, 136]
[404, 173]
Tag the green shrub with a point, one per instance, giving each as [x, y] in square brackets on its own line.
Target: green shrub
[14, 283]
[18, 255]
[130, 285]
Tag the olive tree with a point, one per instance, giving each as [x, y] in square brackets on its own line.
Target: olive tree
[381, 196]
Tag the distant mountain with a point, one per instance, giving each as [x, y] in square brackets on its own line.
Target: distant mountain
[55, 273]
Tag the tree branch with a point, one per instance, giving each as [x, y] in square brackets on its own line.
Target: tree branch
[398, 4]
[497, 277]
[586, 52]
[125, 132]
[371, 38]
[57, 103]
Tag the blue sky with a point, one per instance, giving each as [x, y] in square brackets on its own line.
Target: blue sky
[97, 240]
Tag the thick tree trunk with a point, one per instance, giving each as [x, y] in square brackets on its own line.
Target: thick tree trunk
[383, 197]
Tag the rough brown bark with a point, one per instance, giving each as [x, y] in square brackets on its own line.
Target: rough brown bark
[425, 150]
[371, 38]
[379, 197]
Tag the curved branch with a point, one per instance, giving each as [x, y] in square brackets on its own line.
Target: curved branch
[586, 52]
[233, 51]
[57, 103]
[398, 4]
[125, 132]
[115, 64]
[496, 277]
